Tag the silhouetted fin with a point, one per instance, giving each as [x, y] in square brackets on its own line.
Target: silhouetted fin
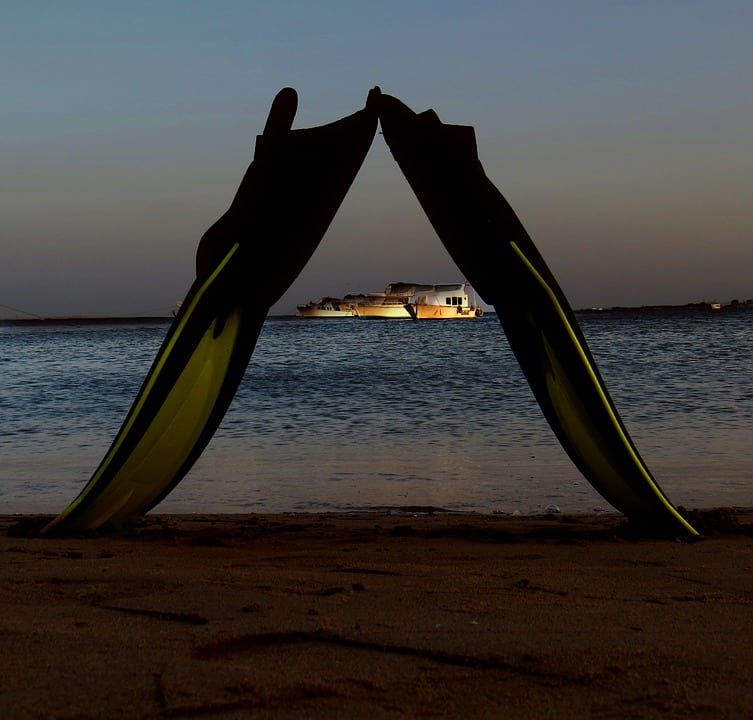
[494, 252]
[245, 262]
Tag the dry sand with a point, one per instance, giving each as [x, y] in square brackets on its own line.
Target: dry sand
[394, 615]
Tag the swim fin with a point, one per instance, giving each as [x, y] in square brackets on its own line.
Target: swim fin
[493, 250]
[244, 263]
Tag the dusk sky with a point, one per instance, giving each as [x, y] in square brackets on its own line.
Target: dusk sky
[620, 132]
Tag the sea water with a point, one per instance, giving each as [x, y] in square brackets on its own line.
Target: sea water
[354, 414]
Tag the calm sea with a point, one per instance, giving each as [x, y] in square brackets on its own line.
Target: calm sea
[350, 414]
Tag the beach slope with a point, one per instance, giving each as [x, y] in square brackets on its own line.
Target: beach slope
[381, 615]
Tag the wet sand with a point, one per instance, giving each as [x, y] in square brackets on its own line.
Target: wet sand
[413, 614]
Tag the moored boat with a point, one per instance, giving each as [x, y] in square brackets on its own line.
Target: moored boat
[388, 304]
[448, 301]
[326, 307]
[443, 302]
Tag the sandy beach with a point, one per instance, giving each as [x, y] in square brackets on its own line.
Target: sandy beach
[383, 615]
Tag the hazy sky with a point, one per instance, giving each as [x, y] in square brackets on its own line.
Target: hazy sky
[621, 133]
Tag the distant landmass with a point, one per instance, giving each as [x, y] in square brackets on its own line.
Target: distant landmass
[86, 319]
[141, 319]
[694, 307]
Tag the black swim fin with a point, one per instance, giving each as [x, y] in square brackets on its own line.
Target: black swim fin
[494, 252]
[245, 262]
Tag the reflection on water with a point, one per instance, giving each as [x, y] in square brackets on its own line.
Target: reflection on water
[346, 414]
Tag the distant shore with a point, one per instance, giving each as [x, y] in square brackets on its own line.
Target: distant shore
[141, 319]
[689, 307]
[87, 320]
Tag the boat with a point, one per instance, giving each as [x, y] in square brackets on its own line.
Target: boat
[449, 301]
[326, 307]
[388, 304]
[443, 302]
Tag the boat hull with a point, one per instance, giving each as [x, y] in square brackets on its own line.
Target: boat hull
[382, 311]
[425, 311]
[305, 312]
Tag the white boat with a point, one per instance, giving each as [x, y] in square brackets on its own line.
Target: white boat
[399, 300]
[326, 307]
[388, 304]
[443, 302]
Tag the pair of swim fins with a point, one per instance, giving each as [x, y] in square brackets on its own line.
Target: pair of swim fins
[287, 199]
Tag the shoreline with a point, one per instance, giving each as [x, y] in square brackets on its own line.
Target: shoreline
[711, 521]
[88, 320]
[422, 614]
[698, 307]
